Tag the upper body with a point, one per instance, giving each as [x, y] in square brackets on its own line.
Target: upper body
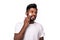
[29, 30]
[34, 31]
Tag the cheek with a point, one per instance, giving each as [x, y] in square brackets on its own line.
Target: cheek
[30, 14]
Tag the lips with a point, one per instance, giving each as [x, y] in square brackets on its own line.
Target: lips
[32, 17]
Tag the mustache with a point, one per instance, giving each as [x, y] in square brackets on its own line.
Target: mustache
[33, 15]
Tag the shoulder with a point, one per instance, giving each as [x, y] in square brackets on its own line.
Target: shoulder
[18, 27]
[41, 30]
[39, 25]
[19, 24]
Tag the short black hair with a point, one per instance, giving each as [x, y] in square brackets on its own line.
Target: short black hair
[31, 6]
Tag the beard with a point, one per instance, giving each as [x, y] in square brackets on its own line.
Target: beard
[32, 18]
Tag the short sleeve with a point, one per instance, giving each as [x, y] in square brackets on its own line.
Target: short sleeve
[18, 27]
[41, 31]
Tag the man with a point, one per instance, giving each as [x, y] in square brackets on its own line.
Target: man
[30, 29]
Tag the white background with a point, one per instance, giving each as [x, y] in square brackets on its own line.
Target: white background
[13, 11]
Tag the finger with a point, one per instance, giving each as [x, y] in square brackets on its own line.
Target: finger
[29, 17]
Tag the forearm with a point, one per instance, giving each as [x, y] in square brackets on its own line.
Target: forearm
[17, 37]
[20, 35]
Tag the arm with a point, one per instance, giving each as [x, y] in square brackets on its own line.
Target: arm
[20, 35]
[42, 38]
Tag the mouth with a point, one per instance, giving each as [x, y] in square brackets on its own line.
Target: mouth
[33, 17]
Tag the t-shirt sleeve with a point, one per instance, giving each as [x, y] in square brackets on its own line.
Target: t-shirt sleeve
[18, 27]
[41, 31]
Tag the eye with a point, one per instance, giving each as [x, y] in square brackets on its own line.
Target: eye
[32, 11]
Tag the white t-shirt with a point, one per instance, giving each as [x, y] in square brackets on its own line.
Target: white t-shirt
[33, 32]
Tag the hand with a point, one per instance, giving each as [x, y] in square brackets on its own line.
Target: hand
[27, 21]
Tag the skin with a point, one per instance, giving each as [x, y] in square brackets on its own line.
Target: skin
[28, 20]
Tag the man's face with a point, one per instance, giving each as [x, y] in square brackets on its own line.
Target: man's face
[33, 13]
